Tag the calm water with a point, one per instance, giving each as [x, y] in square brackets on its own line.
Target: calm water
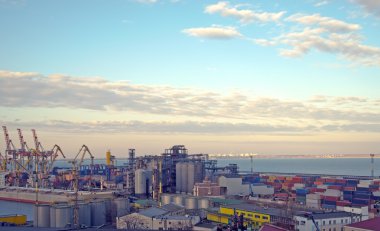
[359, 167]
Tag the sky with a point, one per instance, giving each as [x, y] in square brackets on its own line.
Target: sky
[259, 76]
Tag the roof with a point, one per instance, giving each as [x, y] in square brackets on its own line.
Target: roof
[254, 208]
[225, 201]
[153, 212]
[269, 227]
[171, 207]
[371, 224]
[206, 225]
[145, 202]
[324, 215]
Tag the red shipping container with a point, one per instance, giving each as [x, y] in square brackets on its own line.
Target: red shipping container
[337, 187]
[349, 189]
[343, 203]
[320, 190]
[331, 198]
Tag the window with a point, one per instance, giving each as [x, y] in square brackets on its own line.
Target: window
[329, 222]
[334, 222]
[303, 222]
[346, 221]
[341, 221]
[317, 223]
[257, 216]
[329, 229]
[334, 229]
[250, 215]
[324, 222]
[265, 218]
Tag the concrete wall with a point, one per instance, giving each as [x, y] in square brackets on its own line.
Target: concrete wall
[234, 185]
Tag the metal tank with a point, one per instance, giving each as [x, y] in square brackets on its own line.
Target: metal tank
[191, 203]
[63, 216]
[179, 200]
[178, 177]
[143, 181]
[184, 177]
[166, 199]
[121, 207]
[84, 214]
[203, 203]
[52, 217]
[190, 177]
[41, 216]
[98, 213]
[108, 204]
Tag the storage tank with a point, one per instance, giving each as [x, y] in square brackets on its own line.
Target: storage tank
[178, 177]
[143, 181]
[166, 199]
[41, 216]
[184, 177]
[98, 213]
[203, 203]
[52, 217]
[63, 216]
[84, 214]
[190, 177]
[179, 200]
[191, 203]
[121, 207]
[109, 206]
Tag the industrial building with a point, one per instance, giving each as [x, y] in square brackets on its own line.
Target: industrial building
[324, 221]
[368, 225]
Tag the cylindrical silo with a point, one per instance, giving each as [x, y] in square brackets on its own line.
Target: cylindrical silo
[108, 204]
[191, 203]
[63, 216]
[120, 206]
[190, 177]
[178, 177]
[140, 182]
[52, 217]
[41, 216]
[166, 199]
[98, 213]
[184, 177]
[84, 214]
[179, 200]
[203, 203]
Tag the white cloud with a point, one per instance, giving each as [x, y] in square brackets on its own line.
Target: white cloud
[370, 6]
[331, 24]
[245, 16]
[213, 32]
[321, 3]
[19, 90]
[147, 1]
[325, 34]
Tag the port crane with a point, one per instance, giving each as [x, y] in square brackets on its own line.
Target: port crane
[75, 168]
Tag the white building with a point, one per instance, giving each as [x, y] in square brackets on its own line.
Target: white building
[234, 185]
[156, 219]
[262, 190]
[328, 221]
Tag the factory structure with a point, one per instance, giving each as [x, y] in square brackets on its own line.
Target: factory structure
[174, 190]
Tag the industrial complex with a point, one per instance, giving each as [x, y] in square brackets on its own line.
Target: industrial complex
[175, 190]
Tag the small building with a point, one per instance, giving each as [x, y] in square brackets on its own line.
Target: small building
[173, 209]
[234, 185]
[156, 219]
[207, 188]
[368, 225]
[262, 190]
[325, 221]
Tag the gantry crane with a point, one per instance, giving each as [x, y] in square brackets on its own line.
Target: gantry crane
[75, 168]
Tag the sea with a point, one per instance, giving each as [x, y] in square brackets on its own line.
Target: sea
[326, 166]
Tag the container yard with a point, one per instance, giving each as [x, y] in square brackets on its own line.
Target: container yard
[172, 185]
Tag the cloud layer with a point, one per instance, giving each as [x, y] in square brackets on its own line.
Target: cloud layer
[214, 112]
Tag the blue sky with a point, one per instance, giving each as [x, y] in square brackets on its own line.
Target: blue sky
[285, 72]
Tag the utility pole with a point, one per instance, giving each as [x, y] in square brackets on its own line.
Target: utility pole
[372, 165]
